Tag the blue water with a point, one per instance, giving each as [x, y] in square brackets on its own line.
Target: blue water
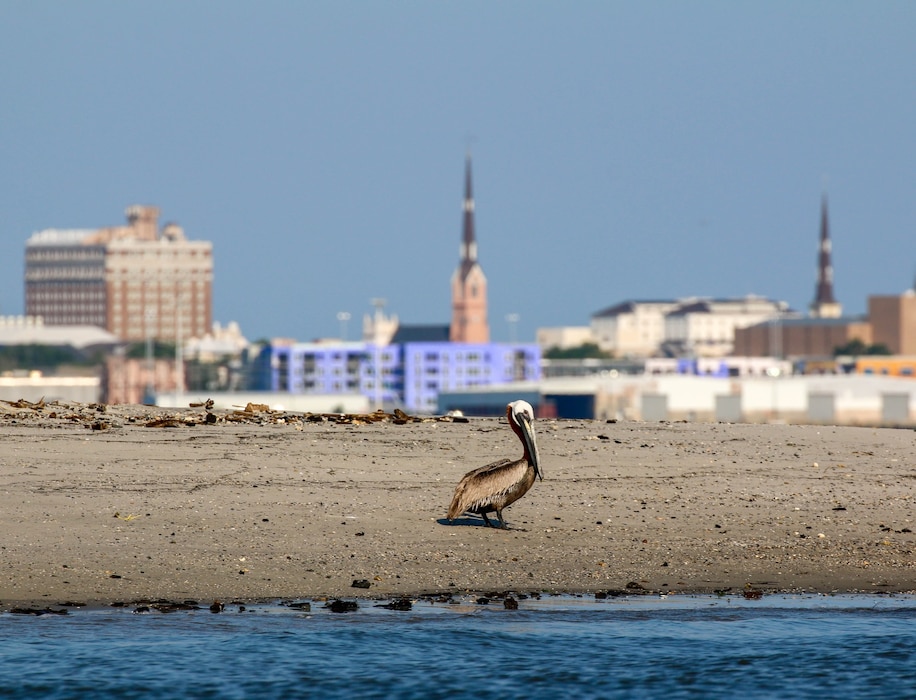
[567, 647]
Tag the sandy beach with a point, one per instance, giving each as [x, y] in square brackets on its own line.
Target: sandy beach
[108, 504]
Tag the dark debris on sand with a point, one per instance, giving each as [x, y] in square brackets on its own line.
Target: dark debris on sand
[98, 416]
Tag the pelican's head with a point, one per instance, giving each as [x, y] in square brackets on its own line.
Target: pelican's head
[521, 417]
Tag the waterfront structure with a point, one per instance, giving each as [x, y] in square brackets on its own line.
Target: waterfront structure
[633, 328]
[706, 327]
[732, 366]
[430, 368]
[801, 337]
[564, 337]
[691, 326]
[469, 284]
[32, 330]
[893, 322]
[408, 375]
[134, 281]
[137, 380]
[825, 304]
[829, 399]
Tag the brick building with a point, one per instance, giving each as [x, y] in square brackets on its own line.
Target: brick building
[893, 322]
[134, 281]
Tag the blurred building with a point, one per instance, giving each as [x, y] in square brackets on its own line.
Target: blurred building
[706, 327]
[134, 281]
[801, 337]
[408, 375]
[38, 361]
[691, 326]
[139, 380]
[32, 330]
[633, 328]
[563, 337]
[893, 322]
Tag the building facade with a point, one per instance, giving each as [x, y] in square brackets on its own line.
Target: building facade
[412, 374]
[634, 328]
[134, 281]
[706, 328]
[675, 327]
[800, 337]
[65, 279]
[431, 368]
[893, 322]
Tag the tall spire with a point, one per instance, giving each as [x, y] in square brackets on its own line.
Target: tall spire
[825, 304]
[469, 284]
[468, 241]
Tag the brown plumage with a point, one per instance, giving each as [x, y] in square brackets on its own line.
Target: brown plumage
[495, 486]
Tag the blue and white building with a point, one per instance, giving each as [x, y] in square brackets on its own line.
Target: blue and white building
[412, 373]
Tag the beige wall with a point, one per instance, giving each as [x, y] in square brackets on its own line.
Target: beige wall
[893, 320]
[817, 339]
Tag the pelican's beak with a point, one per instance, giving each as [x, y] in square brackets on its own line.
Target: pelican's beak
[531, 445]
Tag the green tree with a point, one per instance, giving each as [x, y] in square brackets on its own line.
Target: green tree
[586, 350]
[160, 350]
[856, 347]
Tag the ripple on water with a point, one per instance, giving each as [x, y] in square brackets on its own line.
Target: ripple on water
[680, 646]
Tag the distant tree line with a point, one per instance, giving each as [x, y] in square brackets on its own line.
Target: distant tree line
[160, 350]
[584, 351]
[43, 357]
[856, 347]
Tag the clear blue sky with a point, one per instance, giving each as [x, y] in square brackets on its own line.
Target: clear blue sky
[621, 150]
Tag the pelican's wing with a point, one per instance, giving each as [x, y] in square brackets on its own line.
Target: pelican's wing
[491, 467]
[468, 491]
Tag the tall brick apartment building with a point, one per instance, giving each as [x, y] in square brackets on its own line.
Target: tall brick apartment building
[135, 281]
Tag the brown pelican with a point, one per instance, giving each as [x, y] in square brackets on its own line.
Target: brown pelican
[495, 486]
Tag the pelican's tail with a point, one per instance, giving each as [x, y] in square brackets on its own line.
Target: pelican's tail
[455, 508]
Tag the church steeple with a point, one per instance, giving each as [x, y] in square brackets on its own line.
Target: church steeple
[469, 284]
[825, 304]
[468, 241]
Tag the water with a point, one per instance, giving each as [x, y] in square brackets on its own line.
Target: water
[673, 647]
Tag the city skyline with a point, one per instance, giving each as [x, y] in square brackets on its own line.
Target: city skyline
[620, 150]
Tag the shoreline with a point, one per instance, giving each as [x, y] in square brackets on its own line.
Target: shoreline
[115, 504]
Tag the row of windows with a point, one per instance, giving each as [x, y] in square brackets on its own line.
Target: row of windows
[162, 251]
[73, 319]
[63, 274]
[67, 295]
[458, 357]
[159, 300]
[65, 306]
[335, 356]
[81, 254]
[459, 371]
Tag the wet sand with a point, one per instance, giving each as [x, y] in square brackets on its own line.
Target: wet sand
[102, 505]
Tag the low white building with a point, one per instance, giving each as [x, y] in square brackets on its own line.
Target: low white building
[34, 387]
[866, 400]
